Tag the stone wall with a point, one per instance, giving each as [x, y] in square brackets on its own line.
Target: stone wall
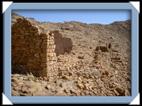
[34, 50]
[62, 44]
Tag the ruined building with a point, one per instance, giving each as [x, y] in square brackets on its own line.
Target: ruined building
[34, 49]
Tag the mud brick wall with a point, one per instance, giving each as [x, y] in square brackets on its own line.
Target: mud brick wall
[34, 51]
[62, 44]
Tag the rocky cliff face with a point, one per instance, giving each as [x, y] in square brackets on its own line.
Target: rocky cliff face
[80, 59]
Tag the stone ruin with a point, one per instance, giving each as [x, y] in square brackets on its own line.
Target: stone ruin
[34, 49]
[103, 48]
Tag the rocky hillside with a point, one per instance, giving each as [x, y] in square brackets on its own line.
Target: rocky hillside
[97, 65]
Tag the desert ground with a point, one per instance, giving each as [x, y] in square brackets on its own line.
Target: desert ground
[97, 65]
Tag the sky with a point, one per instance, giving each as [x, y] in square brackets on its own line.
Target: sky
[85, 16]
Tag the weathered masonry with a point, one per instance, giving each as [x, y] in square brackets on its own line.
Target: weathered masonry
[34, 49]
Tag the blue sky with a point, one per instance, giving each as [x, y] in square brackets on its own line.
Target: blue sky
[85, 16]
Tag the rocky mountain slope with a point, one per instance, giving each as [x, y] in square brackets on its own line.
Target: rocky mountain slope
[98, 64]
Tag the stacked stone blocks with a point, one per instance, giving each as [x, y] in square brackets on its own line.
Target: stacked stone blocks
[35, 50]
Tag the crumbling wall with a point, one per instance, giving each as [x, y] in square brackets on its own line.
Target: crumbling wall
[62, 44]
[35, 51]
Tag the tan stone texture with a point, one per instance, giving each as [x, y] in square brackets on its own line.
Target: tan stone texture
[34, 51]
